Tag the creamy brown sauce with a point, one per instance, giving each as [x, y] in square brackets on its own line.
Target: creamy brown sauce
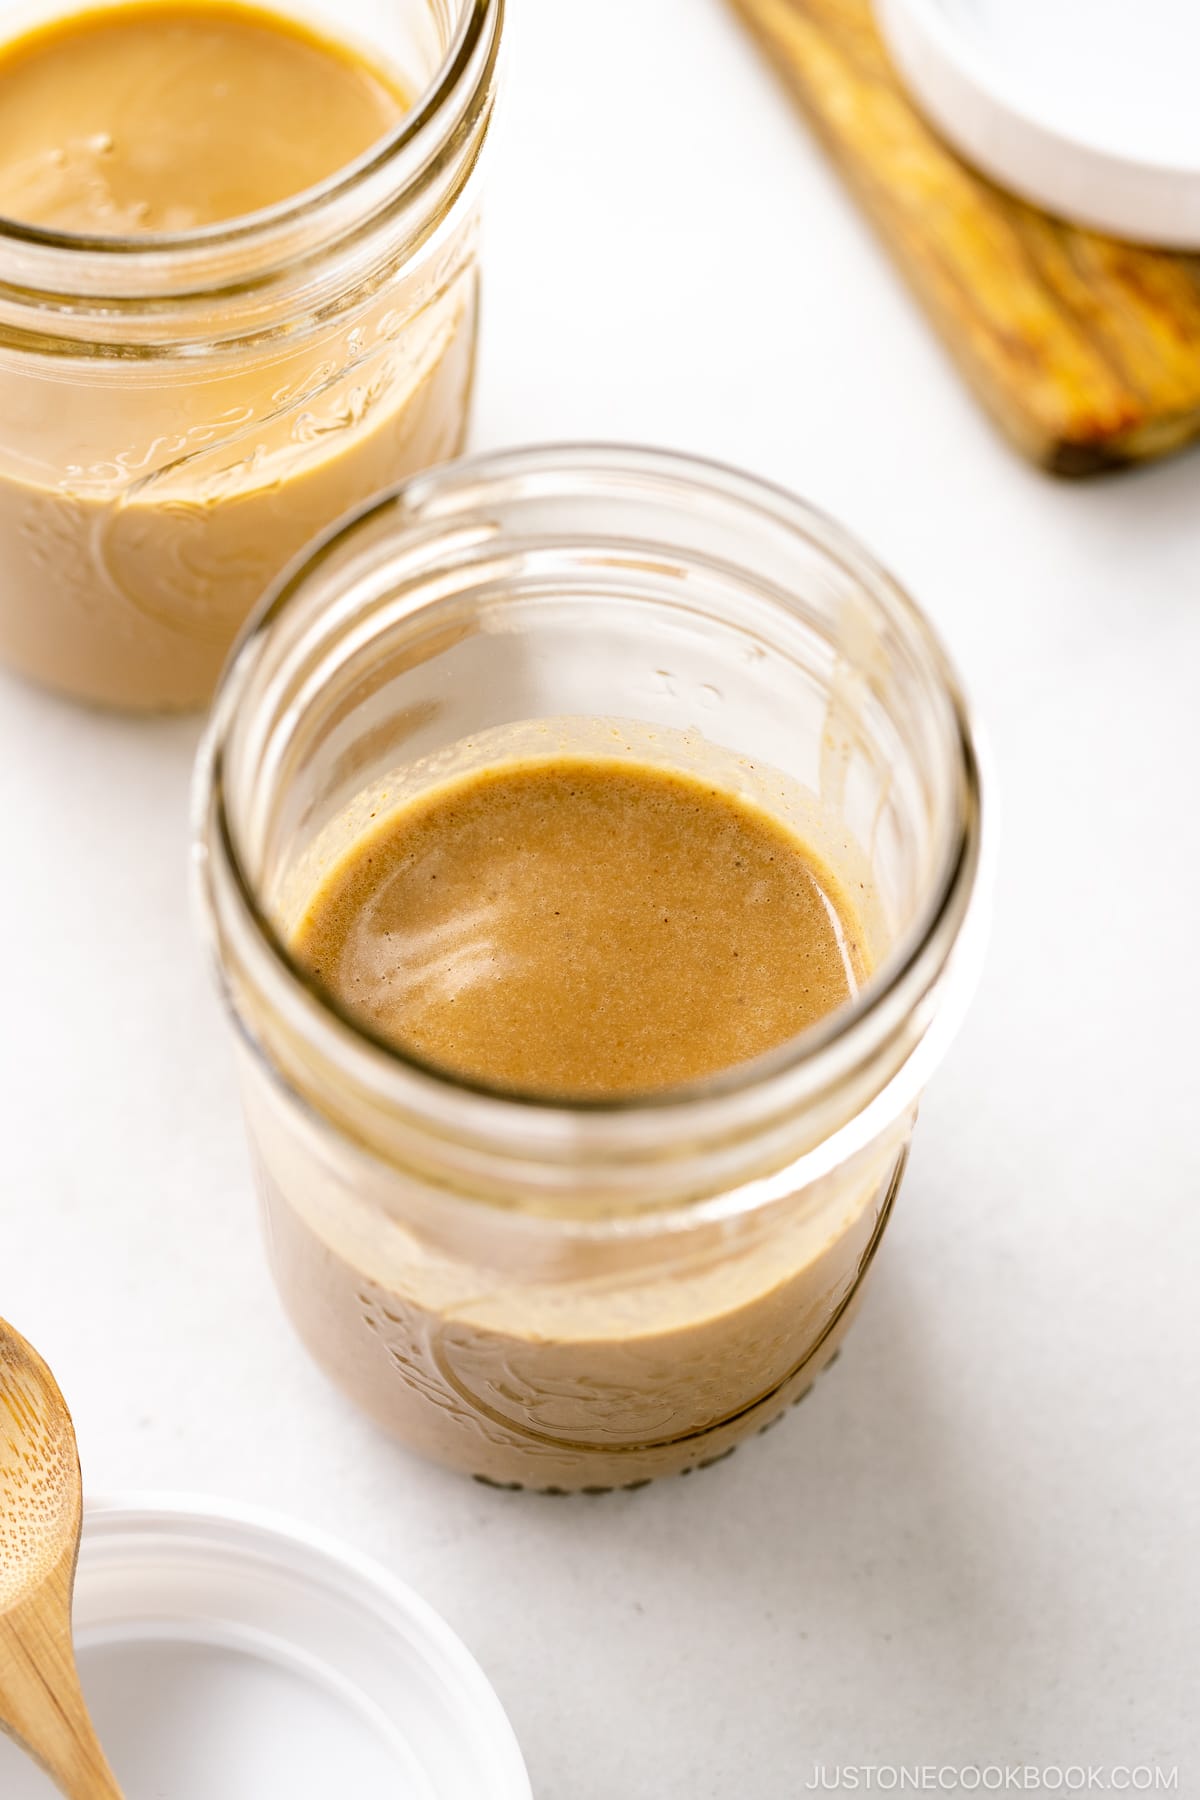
[145, 502]
[166, 117]
[583, 927]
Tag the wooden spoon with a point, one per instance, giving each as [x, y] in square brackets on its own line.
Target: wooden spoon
[41, 1514]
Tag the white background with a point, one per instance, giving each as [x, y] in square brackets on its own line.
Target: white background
[978, 1538]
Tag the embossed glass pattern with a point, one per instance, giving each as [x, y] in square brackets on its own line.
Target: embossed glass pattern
[178, 415]
[582, 1297]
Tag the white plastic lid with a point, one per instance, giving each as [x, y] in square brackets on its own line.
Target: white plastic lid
[228, 1654]
[1086, 107]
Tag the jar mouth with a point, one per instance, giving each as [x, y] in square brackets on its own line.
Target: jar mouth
[220, 257]
[893, 994]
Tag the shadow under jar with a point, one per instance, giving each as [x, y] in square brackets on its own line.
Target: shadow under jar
[585, 1296]
[180, 413]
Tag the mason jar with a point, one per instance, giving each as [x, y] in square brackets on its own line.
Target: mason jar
[179, 414]
[584, 1296]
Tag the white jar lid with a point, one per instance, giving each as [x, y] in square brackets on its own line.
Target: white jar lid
[226, 1653]
[1086, 107]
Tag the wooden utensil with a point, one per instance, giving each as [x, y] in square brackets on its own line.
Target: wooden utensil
[41, 1514]
[1086, 351]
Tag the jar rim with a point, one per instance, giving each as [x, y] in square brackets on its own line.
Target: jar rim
[887, 998]
[479, 19]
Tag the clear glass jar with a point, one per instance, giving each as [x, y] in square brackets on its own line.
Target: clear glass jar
[179, 414]
[585, 1296]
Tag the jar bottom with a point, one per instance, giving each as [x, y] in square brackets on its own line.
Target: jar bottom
[708, 1462]
[393, 1362]
[130, 600]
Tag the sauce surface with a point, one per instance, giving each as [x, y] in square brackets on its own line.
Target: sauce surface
[145, 503]
[582, 927]
[166, 117]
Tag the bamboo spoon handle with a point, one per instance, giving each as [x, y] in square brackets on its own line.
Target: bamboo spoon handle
[41, 1704]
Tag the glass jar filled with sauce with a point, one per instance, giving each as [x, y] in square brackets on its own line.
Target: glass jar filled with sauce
[237, 295]
[589, 842]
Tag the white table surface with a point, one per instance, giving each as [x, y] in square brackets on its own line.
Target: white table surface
[977, 1541]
